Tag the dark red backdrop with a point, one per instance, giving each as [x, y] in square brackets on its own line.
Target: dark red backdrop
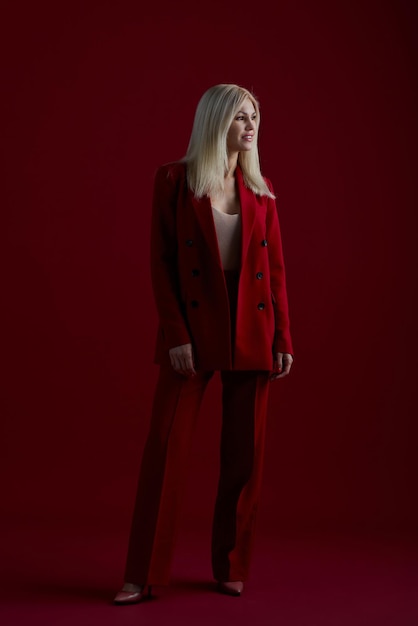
[98, 94]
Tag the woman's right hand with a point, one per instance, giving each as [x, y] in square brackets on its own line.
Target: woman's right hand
[181, 359]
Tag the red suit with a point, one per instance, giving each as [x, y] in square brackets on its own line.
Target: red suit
[189, 284]
[236, 331]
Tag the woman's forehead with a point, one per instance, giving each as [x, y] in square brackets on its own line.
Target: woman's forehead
[246, 106]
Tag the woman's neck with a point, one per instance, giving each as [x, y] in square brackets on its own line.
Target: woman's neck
[232, 165]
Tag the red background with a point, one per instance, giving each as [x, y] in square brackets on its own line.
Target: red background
[98, 94]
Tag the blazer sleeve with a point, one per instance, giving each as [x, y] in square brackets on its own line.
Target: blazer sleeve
[282, 337]
[164, 266]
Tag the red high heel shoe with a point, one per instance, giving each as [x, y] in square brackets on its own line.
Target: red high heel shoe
[132, 597]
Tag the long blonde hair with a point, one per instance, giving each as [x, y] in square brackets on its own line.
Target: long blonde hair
[207, 155]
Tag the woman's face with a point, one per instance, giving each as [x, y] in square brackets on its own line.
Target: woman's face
[243, 130]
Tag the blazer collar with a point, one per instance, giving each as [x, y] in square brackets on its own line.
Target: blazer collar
[203, 210]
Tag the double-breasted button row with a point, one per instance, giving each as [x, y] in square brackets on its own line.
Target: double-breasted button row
[264, 243]
[261, 306]
[259, 275]
[189, 243]
[195, 272]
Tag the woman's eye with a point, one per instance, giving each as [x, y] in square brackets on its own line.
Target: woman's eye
[241, 118]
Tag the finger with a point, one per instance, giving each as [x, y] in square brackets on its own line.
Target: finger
[175, 361]
[288, 362]
[286, 370]
[185, 360]
[179, 365]
[278, 362]
[188, 362]
[190, 370]
[185, 365]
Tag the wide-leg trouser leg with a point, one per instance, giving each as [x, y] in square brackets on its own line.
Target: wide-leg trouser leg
[244, 403]
[164, 462]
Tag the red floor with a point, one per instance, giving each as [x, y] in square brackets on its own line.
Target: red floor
[70, 577]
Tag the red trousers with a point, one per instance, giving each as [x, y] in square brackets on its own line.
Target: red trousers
[164, 465]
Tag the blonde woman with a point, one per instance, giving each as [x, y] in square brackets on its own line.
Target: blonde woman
[219, 284]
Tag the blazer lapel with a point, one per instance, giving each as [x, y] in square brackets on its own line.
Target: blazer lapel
[203, 211]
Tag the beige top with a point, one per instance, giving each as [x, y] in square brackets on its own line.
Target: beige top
[228, 231]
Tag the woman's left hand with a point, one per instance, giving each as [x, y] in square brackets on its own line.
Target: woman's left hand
[282, 364]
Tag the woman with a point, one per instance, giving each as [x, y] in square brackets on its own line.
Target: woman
[219, 283]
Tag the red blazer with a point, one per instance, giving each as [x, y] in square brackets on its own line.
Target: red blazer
[189, 285]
